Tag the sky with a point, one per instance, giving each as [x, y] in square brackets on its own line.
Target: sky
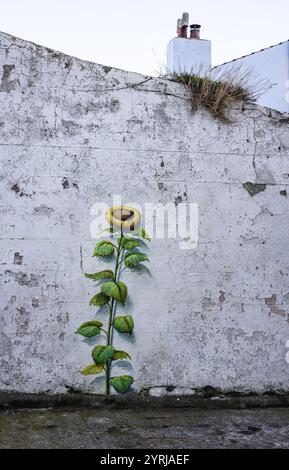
[133, 35]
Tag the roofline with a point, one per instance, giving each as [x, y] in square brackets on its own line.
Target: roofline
[49, 50]
[252, 53]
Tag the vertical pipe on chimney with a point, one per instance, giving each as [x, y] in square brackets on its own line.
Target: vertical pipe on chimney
[179, 28]
[195, 31]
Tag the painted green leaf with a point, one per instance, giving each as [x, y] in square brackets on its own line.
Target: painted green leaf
[99, 300]
[107, 274]
[129, 243]
[133, 259]
[92, 369]
[116, 290]
[89, 329]
[124, 324]
[120, 355]
[143, 234]
[104, 248]
[102, 354]
[121, 384]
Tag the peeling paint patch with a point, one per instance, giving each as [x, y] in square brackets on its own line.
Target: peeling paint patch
[43, 210]
[15, 188]
[22, 311]
[18, 259]
[24, 279]
[106, 69]
[178, 200]
[7, 84]
[35, 302]
[160, 114]
[254, 189]
[222, 297]
[66, 184]
[67, 64]
[11, 302]
[114, 105]
[63, 319]
[272, 303]
[22, 320]
[69, 128]
[234, 334]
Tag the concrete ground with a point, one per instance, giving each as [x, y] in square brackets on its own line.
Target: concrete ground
[144, 428]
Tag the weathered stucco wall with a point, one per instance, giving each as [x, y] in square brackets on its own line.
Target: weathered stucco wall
[73, 133]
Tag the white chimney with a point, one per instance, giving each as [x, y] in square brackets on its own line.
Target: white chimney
[187, 55]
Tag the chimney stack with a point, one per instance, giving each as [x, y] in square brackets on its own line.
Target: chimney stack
[188, 55]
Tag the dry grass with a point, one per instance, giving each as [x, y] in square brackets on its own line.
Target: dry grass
[217, 91]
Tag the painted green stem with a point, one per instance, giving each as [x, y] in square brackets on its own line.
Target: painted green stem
[111, 316]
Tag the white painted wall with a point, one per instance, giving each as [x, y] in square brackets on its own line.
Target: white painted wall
[73, 133]
[187, 55]
[273, 65]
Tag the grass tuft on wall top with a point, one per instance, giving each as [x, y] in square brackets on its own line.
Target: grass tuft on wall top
[218, 91]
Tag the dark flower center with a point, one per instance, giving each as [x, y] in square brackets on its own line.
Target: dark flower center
[123, 214]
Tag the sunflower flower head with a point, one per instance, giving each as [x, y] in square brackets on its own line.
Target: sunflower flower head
[125, 217]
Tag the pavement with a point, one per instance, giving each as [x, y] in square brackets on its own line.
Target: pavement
[144, 428]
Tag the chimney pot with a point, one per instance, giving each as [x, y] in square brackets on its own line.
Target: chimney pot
[182, 26]
[195, 31]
